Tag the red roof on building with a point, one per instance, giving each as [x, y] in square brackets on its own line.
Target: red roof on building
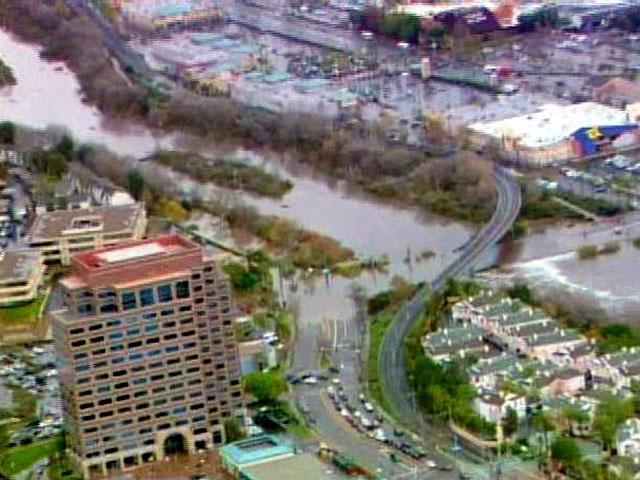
[145, 260]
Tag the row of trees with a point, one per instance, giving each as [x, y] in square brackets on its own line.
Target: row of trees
[78, 41]
[401, 26]
[444, 391]
[225, 173]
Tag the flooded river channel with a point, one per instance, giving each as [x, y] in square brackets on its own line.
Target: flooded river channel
[48, 94]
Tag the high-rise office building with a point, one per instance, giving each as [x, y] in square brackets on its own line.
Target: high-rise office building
[147, 354]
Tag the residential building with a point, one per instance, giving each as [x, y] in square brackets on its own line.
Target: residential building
[459, 342]
[580, 357]
[561, 405]
[628, 439]
[465, 310]
[544, 346]
[147, 353]
[562, 382]
[20, 276]
[493, 406]
[616, 369]
[60, 234]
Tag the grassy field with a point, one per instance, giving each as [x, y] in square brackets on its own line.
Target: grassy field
[378, 328]
[23, 313]
[18, 459]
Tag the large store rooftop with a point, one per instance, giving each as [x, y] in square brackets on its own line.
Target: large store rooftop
[552, 123]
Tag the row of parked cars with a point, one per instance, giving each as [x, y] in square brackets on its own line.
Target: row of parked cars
[363, 416]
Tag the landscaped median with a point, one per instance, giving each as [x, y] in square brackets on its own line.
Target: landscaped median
[443, 393]
[17, 459]
[382, 309]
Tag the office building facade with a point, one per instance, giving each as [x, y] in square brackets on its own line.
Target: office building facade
[60, 234]
[147, 353]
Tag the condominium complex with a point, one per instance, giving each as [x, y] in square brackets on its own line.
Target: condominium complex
[147, 352]
[60, 234]
[20, 276]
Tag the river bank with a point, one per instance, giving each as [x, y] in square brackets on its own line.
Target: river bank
[548, 260]
[458, 187]
[49, 94]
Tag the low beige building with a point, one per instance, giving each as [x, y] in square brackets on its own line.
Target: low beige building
[20, 277]
[60, 234]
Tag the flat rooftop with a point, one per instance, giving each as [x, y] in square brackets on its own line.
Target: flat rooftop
[264, 448]
[18, 265]
[552, 123]
[302, 466]
[128, 265]
[62, 223]
[129, 253]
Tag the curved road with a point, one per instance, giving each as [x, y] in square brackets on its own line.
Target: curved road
[392, 362]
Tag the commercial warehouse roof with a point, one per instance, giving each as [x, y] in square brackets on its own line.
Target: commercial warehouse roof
[302, 466]
[77, 222]
[18, 265]
[552, 123]
[265, 448]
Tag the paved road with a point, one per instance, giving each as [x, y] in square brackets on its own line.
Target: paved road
[344, 338]
[392, 353]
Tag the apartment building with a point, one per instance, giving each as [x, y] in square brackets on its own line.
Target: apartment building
[457, 342]
[20, 276]
[147, 354]
[58, 235]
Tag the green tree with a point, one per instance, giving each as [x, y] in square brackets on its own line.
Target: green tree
[565, 453]
[7, 133]
[611, 412]
[56, 165]
[573, 415]
[4, 437]
[510, 422]
[266, 387]
[232, 431]
[65, 147]
[521, 291]
[542, 423]
[135, 183]
[242, 279]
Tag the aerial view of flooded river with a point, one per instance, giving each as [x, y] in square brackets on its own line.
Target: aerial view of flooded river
[47, 93]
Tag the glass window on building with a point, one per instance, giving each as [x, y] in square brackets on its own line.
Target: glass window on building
[164, 293]
[146, 297]
[129, 301]
[182, 289]
[109, 308]
[84, 309]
